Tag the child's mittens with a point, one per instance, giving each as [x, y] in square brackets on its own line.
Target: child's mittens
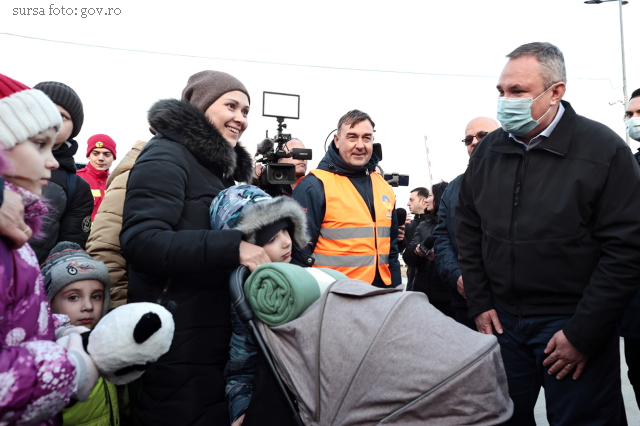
[86, 371]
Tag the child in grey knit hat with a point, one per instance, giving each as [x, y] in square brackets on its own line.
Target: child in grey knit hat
[77, 285]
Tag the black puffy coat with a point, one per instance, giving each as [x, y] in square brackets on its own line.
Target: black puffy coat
[426, 277]
[62, 223]
[174, 255]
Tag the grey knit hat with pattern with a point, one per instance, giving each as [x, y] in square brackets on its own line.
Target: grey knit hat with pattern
[68, 263]
[205, 87]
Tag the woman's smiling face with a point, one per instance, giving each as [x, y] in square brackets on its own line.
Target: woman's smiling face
[228, 114]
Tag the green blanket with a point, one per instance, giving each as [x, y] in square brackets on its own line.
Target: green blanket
[280, 292]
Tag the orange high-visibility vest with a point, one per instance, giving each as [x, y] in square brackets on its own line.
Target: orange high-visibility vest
[350, 241]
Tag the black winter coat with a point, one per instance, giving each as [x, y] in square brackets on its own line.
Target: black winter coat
[426, 279]
[409, 231]
[175, 256]
[62, 224]
[553, 230]
[630, 326]
[446, 247]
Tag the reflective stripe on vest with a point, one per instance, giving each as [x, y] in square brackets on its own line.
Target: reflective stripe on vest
[350, 241]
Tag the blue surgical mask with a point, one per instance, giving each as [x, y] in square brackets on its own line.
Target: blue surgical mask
[633, 128]
[514, 114]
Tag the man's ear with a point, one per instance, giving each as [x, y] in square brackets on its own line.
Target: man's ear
[558, 92]
[335, 140]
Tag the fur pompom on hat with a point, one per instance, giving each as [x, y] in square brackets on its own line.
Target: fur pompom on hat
[259, 216]
[205, 87]
[24, 112]
[68, 263]
[67, 98]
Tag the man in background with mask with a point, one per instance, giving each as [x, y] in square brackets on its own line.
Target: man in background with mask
[630, 327]
[548, 240]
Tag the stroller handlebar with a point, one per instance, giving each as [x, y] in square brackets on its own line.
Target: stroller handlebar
[238, 299]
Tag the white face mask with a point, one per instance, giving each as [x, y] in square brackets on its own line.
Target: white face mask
[633, 128]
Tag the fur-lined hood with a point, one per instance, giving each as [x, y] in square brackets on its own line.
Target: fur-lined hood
[185, 124]
[259, 215]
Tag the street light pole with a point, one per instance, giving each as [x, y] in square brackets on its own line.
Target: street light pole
[624, 67]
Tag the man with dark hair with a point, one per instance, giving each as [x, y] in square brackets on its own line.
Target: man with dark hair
[417, 203]
[351, 210]
[548, 240]
[630, 327]
[445, 247]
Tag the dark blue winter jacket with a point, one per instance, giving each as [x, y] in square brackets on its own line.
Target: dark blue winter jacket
[446, 248]
[310, 194]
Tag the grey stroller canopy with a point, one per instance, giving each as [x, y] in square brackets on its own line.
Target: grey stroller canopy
[362, 355]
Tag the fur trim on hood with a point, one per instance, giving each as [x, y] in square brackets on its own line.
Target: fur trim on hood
[259, 215]
[192, 129]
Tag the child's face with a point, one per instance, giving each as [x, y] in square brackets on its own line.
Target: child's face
[67, 127]
[81, 301]
[279, 247]
[32, 162]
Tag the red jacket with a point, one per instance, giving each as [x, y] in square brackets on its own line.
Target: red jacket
[97, 181]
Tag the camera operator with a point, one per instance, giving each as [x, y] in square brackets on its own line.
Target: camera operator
[301, 171]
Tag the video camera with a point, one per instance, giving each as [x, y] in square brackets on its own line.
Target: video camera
[396, 179]
[393, 179]
[274, 174]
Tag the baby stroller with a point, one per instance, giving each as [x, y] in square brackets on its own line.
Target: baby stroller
[362, 355]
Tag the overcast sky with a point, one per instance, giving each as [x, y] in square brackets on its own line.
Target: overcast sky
[419, 68]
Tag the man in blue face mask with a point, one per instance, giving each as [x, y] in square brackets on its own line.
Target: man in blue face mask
[548, 241]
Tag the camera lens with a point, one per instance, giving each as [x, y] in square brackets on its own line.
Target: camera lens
[278, 175]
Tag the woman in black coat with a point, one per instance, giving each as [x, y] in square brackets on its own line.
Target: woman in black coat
[174, 255]
[419, 255]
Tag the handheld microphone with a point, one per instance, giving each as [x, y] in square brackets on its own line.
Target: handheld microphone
[402, 216]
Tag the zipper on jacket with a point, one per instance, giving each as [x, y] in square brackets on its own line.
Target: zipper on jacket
[372, 212]
[164, 291]
[517, 203]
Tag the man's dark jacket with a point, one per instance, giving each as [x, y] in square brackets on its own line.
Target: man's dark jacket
[310, 194]
[62, 223]
[446, 248]
[174, 255]
[630, 327]
[552, 231]
[409, 232]
[426, 277]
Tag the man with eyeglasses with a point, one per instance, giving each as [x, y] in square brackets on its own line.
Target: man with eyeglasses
[548, 240]
[445, 248]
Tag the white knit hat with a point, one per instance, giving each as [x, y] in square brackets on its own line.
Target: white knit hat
[24, 112]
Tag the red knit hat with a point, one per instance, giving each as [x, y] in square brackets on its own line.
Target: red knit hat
[24, 112]
[101, 141]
